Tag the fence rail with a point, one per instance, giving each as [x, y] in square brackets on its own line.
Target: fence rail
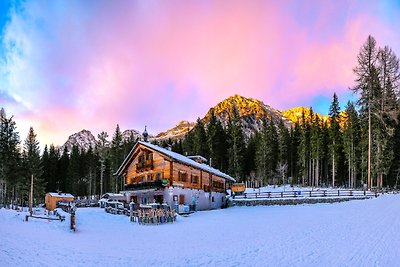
[302, 194]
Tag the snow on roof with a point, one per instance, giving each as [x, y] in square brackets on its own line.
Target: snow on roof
[197, 157]
[61, 195]
[113, 195]
[180, 158]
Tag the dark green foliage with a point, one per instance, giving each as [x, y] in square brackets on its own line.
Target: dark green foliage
[33, 166]
[217, 145]
[236, 146]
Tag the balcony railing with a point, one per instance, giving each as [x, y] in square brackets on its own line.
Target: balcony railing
[145, 165]
[146, 185]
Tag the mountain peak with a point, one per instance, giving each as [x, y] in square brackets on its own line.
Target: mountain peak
[83, 139]
[177, 132]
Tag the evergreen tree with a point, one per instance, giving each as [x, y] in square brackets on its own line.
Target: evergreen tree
[200, 144]
[334, 112]
[33, 166]
[62, 171]
[267, 154]
[351, 135]
[10, 160]
[216, 141]
[304, 152]
[295, 135]
[283, 148]
[366, 74]
[101, 150]
[316, 140]
[249, 161]
[236, 145]
[74, 174]
[116, 158]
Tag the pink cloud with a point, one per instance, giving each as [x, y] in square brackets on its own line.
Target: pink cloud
[156, 62]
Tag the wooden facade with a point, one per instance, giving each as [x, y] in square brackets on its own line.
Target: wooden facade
[51, 199]
[147, 167]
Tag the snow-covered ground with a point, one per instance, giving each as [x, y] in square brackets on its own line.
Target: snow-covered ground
[355, 233]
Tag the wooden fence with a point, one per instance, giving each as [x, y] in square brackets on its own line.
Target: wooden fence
[302, 194]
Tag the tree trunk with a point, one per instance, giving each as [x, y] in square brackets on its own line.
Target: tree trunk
[333, 165]
[369, 146]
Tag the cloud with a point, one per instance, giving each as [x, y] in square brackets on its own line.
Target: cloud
[76, 65]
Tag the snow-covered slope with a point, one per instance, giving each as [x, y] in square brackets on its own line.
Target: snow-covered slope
[356, 233]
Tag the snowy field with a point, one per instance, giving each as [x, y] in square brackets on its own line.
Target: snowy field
[355, 233]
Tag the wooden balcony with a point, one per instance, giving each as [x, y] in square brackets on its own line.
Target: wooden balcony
[157, 184]
[144, 166]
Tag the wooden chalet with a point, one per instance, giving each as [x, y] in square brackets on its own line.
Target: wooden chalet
[156, 174]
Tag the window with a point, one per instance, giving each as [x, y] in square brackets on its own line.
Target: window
[158, 176]
[194, 179]
[212, 198]
[182, 176]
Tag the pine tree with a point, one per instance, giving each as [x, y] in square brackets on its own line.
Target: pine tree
[236, 145]
[295, 135]
[267, 151]
[351, 135]
[62, 171]
[304, 152]
[216, 141]
[366, 74]
[200, 144]
[33, 166]
[283, 148]
[334, 112]
[101, 149]
[316, 140]
[116, 158]
[10, 160]
[74, 171]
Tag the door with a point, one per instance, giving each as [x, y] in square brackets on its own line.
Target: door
[159, 198]
[181, 199]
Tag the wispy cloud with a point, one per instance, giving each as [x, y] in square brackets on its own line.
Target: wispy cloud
[76, 64]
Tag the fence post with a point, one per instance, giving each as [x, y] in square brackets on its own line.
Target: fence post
[269, 194]
[324, 193]
[364, 192]
[338, 192]
[310, 193]
[351, 193]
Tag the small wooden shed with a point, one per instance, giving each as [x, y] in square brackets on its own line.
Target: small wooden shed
[51, 199]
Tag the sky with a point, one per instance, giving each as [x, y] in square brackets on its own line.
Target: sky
[68, 65]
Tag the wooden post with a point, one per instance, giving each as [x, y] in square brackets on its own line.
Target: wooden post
[31, 197]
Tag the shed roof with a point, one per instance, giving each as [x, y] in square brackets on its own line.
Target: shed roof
[61, 195]
[176, 156]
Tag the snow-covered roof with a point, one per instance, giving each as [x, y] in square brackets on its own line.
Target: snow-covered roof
[197, 157]
[177, 157]
[113, 195]
[61, 195]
